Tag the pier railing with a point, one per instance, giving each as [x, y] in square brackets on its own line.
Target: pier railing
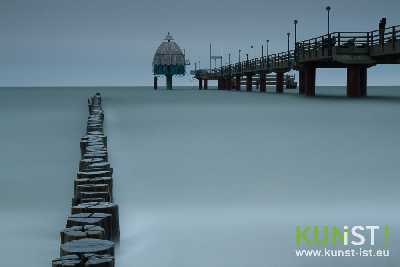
[284, 60]
[371, 43]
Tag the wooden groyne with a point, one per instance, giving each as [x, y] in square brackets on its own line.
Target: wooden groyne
[92, 228]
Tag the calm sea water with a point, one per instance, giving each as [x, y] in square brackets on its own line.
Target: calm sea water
[203, 178]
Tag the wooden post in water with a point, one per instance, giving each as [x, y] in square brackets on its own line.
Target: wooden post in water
[93, 225]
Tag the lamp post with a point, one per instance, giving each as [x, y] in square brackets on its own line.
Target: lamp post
[239, 55]
[295, 32]
[328, 8]
[295, 38]
[210, 57]
[267, 52]
[229, 59]
[288, 42]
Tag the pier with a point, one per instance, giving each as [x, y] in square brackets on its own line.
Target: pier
[354, 51]
[92, 228]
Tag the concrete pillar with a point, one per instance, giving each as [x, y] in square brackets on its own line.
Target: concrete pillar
[229, 83]
[205, 84]
[169, 81]
[309, 73]
[155, 82]
[263, 82]
[356, 81]
[237, 83]
[364, 81]
[301, 82]
[200, 84]
[279, 82]
[249, 82]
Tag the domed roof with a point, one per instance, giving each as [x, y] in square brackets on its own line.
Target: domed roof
[169, 53]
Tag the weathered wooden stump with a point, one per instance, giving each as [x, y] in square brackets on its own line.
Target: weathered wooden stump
[96, 148]
[92, 147]
[91, 188]
[93, 181]
[87, 245]
[67, 261]
[102, 207]
[84, 163]
[83, 231]
[103, 220]
[94, 127]
[94, 260]
[90, 199]
[95, 167]
[95, 137]
[96, 133]
[92, 155]
[102, 195]
[85, 260]
[94, 174]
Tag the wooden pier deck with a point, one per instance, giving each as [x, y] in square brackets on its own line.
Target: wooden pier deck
[355, 51]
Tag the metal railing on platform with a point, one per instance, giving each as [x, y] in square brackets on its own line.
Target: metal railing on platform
[321, 46]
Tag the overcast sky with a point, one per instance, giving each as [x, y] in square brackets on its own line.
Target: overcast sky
[111, 42]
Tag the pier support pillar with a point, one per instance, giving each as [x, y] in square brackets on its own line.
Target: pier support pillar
[263, 82]
[200, 84]
[302, 81]
[249, 81]
[205, 84]
[230, 83]
[309, 81]
[155, 83]
[169, 81]
[356, 81]
[237, 83]
[279, 82]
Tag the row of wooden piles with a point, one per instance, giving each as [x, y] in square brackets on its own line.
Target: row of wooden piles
[92, 228]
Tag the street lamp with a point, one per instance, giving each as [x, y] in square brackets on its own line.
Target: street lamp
[267, 51]
[328, 8]
[288, 42]
[239, 55]
[295, 38]
[229, 59]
